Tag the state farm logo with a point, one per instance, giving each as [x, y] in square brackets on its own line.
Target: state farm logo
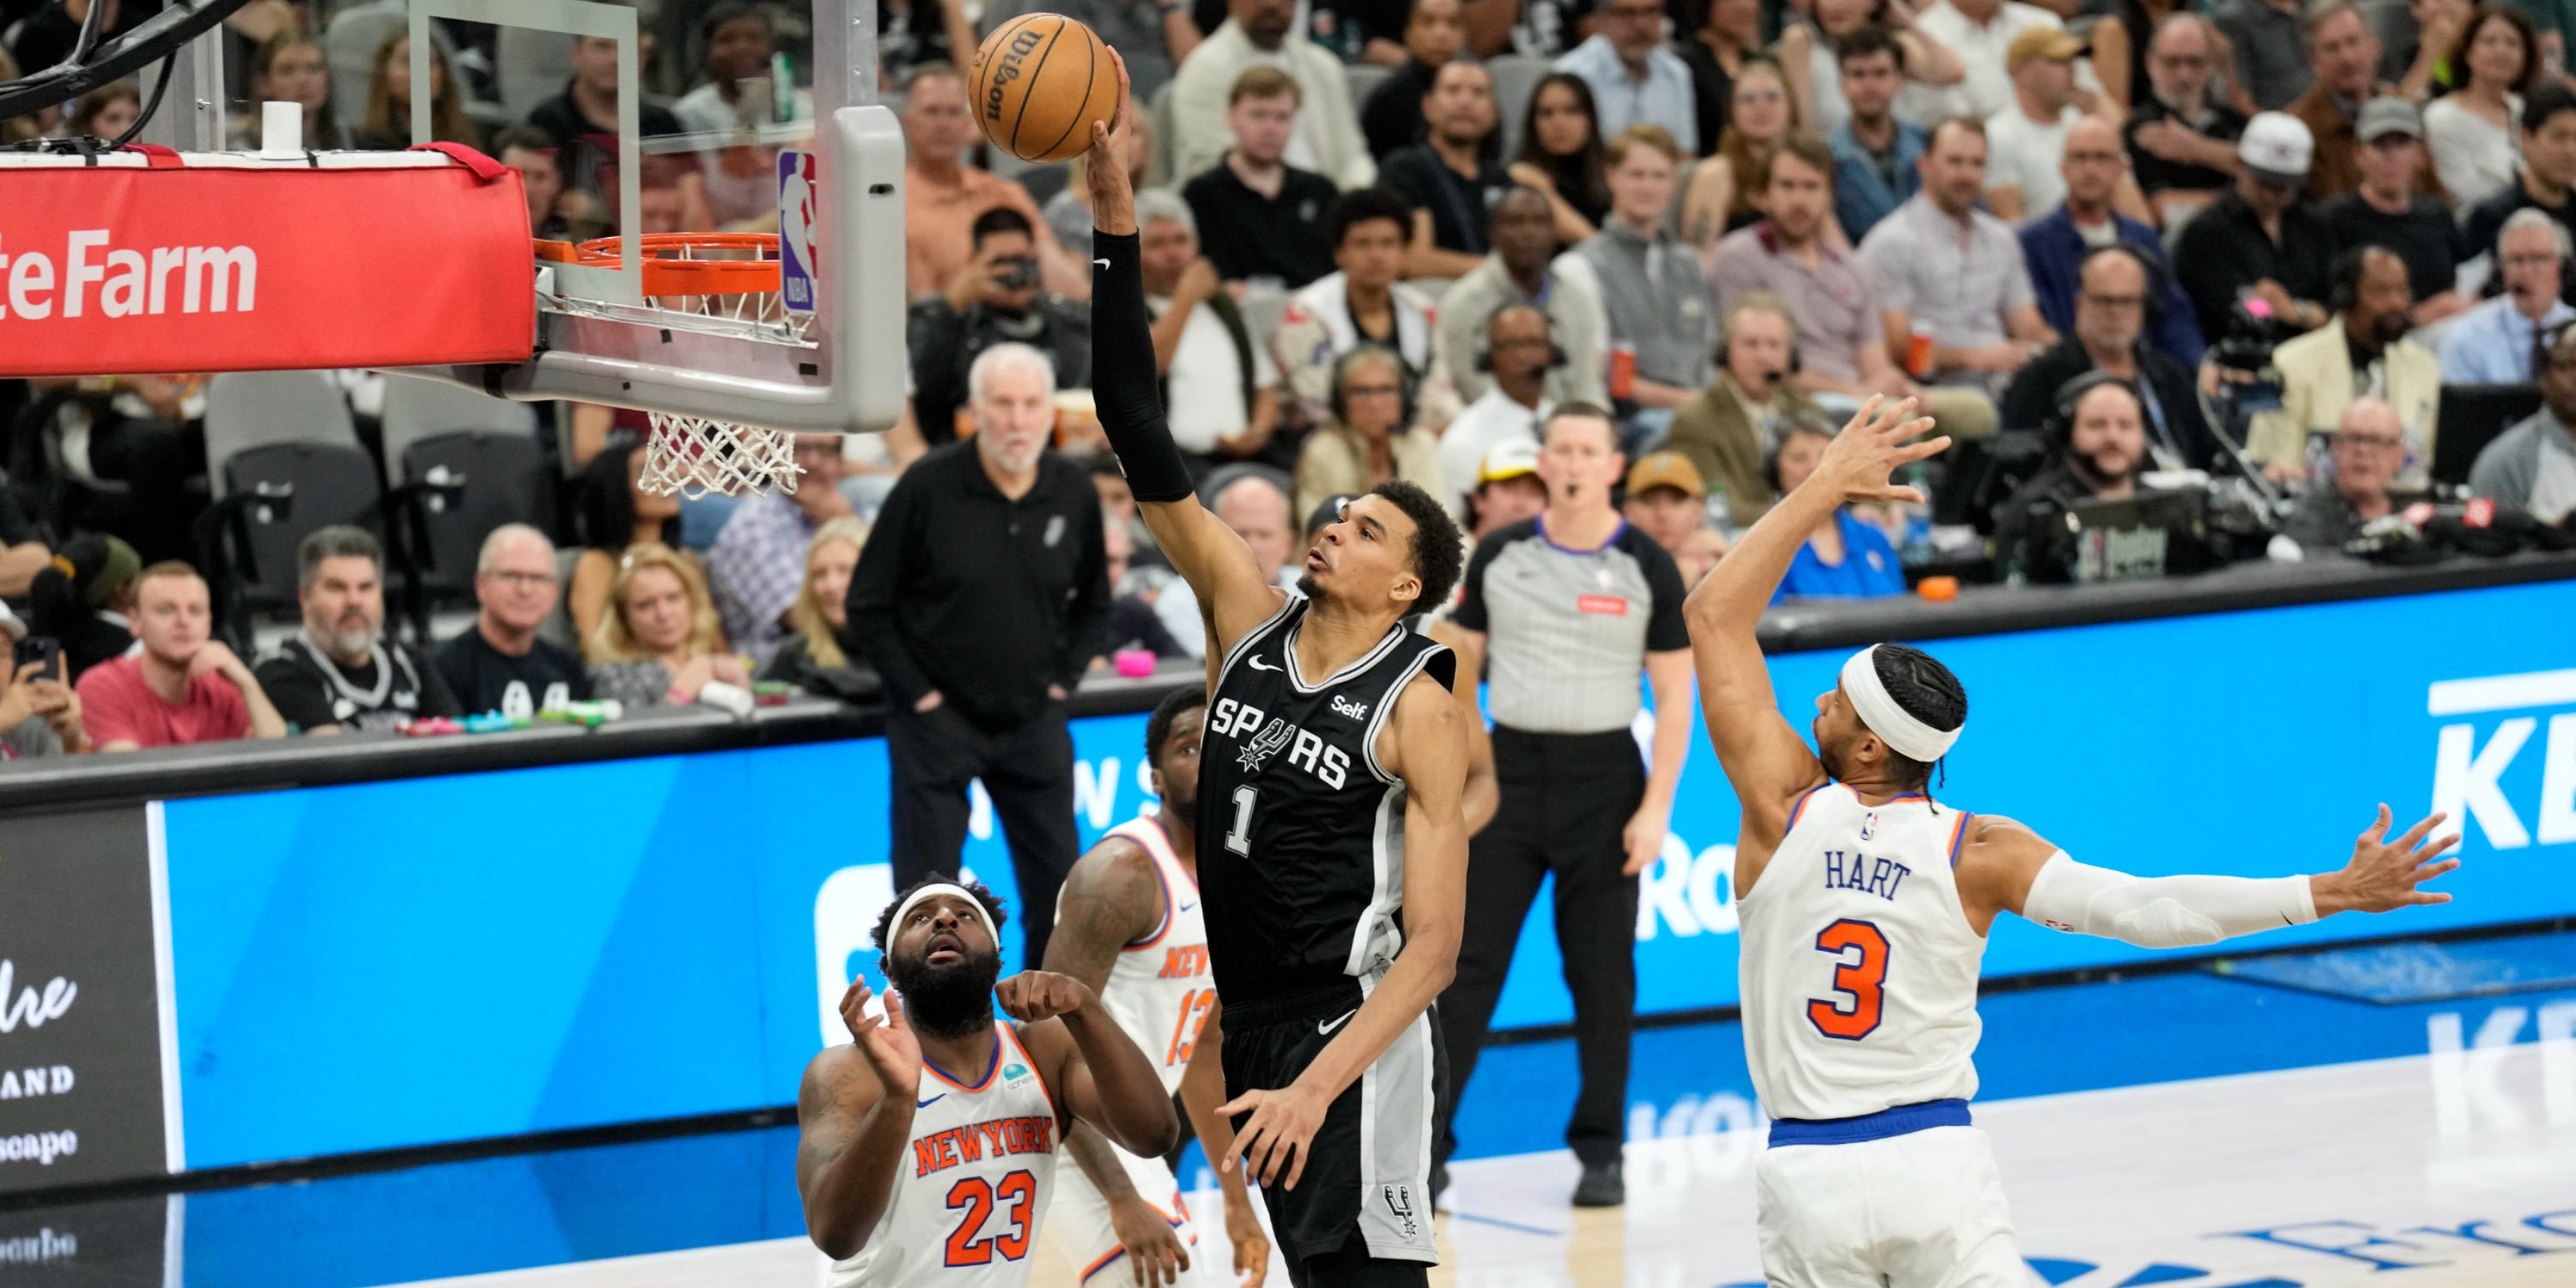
[124, 283]
[29, 1008]
[2474, 779]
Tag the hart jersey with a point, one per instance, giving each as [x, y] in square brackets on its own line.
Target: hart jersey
[970, 1191]
[1301, 837]
[1859, 965]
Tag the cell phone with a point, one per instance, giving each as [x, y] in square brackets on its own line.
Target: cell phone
[1018, 274]
[44, 650]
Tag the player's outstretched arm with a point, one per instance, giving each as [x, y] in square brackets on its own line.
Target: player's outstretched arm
[2005, 867]
[854, 1118]
[1103, 1079]
[1765, 759]
[1429, 754]
[1111, 899]
[1203, 1099]
[1231, 585]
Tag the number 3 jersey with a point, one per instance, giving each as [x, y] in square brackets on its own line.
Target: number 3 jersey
[1301, 830]
[969, 1192]
[1859, 966]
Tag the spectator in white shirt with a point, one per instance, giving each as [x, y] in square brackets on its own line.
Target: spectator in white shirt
[1521, 353]
[1979, 32]
[1327, 140]
[1634, 78]
[1221, 390]
[2026, 141]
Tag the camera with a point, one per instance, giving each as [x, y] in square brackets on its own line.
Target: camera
[2244, 357]
[1018, 273]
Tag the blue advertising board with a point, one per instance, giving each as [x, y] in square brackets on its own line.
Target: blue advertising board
[414, 962]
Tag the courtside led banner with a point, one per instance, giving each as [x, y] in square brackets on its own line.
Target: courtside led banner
[150, 262]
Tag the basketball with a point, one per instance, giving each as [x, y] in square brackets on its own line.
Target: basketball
[1037, 85]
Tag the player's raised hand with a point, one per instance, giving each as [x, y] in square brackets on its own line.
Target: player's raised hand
[1858, 463]
[893, 1052]
[2386, 875]
[1113, 195]
[1034, 995]
[1278, 1135]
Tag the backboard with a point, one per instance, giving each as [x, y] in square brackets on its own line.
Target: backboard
[665, 116]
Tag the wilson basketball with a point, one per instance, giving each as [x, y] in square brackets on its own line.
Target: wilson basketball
[1037, 85]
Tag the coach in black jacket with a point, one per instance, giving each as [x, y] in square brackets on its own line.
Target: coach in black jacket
[982, 595]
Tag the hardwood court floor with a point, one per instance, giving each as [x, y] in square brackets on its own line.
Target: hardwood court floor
[2428, 1171]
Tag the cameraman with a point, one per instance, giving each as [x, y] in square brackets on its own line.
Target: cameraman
[2100, 430]
[994, 299]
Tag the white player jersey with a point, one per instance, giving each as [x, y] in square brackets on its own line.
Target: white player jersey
[1159, 989]
[969, 1194]
[1859, 966]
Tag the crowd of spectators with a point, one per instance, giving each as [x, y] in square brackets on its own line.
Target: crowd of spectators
[1390, 245]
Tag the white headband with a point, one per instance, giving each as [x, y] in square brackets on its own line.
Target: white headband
[903, 909]
[1869, 699]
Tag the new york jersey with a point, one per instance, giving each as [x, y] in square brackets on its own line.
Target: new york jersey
[1301, 829]
[1859, 965]
[1159, 989]
[970, 1191]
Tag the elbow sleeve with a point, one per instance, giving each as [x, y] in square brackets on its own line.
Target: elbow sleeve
[2163, 912]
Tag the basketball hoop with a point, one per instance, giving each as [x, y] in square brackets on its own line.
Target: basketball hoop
[727, 282]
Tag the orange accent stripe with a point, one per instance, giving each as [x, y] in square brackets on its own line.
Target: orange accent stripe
[1103, 1264]
[1958, 833]
[1034, 1068]
[1801, 806]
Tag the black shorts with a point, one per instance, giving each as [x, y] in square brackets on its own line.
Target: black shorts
[1368, 1173]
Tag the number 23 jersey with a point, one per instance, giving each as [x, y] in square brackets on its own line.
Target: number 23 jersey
[1301, 830]
[969, 1192]
[1859, 966]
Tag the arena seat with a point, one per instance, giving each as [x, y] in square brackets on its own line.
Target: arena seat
[1516, 78]
[505, 480]
[332, 482]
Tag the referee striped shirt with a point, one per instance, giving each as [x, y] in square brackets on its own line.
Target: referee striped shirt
[1567, 630]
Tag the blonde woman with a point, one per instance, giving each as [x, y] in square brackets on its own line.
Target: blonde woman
[812, 658]
[659, 642]
[387, 124]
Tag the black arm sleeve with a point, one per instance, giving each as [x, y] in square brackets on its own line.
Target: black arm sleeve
[1123, 381]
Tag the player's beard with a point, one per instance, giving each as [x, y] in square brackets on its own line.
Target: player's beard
[1309, 587]
[1183, 810]
[946, 1001]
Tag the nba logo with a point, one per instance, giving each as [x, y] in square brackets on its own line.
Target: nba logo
[1868, 824]
[798, 211]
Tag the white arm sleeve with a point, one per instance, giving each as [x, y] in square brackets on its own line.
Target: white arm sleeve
[2163, 912]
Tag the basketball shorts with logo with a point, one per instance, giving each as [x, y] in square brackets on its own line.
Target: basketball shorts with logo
[1368, 1172]
[1078, 1217]
[1913, 1211]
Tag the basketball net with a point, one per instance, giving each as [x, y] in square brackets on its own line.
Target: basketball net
[694, 456]
[725, 279]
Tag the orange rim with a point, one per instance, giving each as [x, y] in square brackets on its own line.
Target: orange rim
[666, 274]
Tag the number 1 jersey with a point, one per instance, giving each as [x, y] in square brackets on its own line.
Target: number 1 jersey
[1301, 830]
[1859, 967]
[969, 1192]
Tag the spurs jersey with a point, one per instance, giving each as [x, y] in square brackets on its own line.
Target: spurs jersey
[1859, 965]
[969, 1193]
[1159, 989]
[1301, 830]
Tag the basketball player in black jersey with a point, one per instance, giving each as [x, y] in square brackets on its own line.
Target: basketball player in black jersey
[1332, 855]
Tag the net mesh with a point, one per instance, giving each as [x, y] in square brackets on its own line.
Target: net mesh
[695, 456]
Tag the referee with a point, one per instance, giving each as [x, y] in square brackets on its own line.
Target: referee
[1570, 606]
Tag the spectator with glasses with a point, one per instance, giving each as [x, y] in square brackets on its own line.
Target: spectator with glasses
[2368, 447]
[1367, 442]
[2533, 464]
[758, 561]
[2496, 343]
[2180, 134]
[1634, 78]
[499, 663]
[2108, 335]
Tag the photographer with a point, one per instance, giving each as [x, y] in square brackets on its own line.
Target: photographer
[2100, 430]
[994, 299]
